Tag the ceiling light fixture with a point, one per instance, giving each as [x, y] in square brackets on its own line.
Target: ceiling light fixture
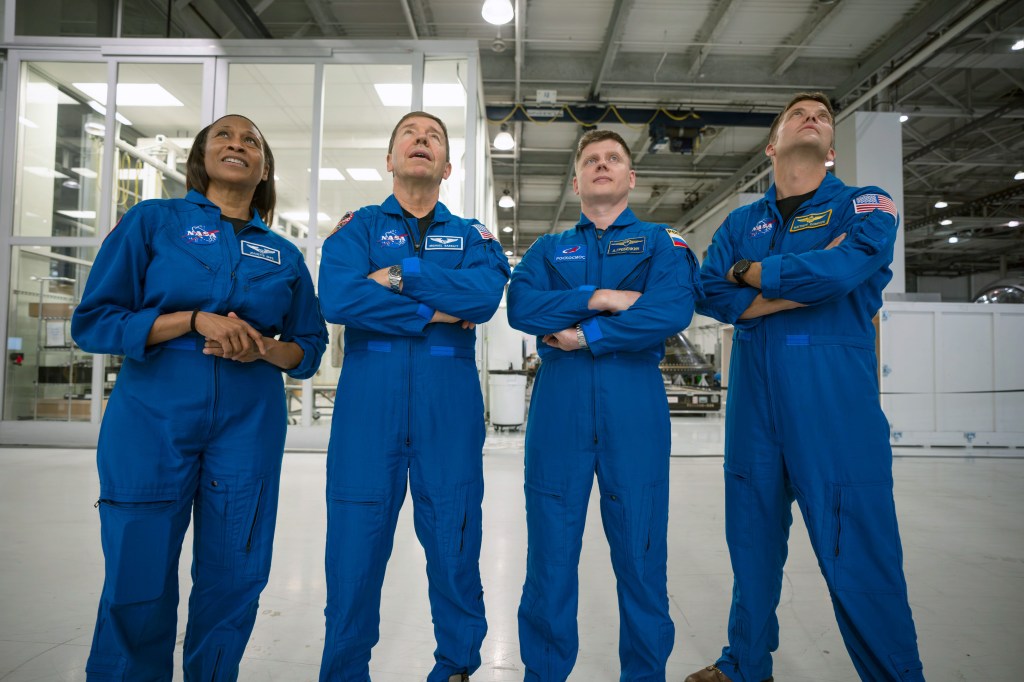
[504, 141]
[506, 200]
[953, 239]
[1019, 45]
[947, 221]
[506, 229]
[509, 253]
[941, 204]
[1019, 175]
[904, 118]
[497, 12]
[1013, 223]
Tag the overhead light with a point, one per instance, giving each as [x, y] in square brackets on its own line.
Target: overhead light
[329, 174]
[79, 215]
[497, 12]
[504, 141]
[434, 94]
[132, 94]
[95, 128]
[941, 204]
[904, 118]
[506, 200]
[1013, 223]
[953, 239]
[509, 253]
[71, 184]
[1019, 175]
[508, 228]
[364, 174]
[829, 164]
[102, 111]
[1019, 45]
[303, 216]
[946, 221]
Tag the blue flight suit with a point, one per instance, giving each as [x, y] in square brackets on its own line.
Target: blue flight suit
[804, 422]
[408, 405]
[600, 409]
[187, 433]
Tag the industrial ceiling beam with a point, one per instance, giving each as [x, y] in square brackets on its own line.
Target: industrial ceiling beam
[610, 45]
[244, 18]
[807, 31]
[709, 32]
[324, 17]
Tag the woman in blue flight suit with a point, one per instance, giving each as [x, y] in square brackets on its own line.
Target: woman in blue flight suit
[208, 306]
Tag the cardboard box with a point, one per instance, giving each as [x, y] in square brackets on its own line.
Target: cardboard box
[58, 310]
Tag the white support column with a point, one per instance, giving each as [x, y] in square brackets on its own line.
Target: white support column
[869, 151]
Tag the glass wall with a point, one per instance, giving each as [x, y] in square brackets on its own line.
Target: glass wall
[77, 168]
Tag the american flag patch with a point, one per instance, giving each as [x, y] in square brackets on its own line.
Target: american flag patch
[677, 239]
[866, 203]
[484, 232]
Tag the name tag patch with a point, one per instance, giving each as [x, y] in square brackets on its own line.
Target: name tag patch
[198, 234]
[266, 253]
[634, 245]
[571, 253]
[443, 244]
[811, 221]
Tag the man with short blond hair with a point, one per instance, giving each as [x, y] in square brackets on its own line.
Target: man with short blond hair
[800, 274]
[602, 298]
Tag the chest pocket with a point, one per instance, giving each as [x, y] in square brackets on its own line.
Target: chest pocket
[635, 271]
[184, 273]
[268, 295]
[447, 251]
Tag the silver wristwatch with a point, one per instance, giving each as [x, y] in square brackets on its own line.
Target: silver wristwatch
[395, 278]
[581, 337]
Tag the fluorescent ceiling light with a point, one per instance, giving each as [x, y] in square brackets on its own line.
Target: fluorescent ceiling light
[507, 228]
[947, 221]
[364, 174]
[941, 204]
[102, 111]
[1019, 45]
[904, 118]
[132, 94]
[303, 216]
[45, 93]
[954, 239]
[85, 172]
[1013, 223]
[330, 174]
[497, 12]
[434, 94]
[1019, 175]
[79, 215]
[44, 172]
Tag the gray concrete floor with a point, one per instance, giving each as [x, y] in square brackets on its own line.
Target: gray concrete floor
[961, 516]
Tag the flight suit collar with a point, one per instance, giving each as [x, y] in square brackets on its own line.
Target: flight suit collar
[199, 199]
[392, 207]
[625, 219]
[827, 190]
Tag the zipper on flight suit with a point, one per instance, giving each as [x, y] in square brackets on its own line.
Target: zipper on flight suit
[593, 362]
[417, 251]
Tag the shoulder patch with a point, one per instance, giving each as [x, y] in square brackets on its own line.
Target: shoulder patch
[343, 222]
[484, 232]
[866, 203]
[677, 239]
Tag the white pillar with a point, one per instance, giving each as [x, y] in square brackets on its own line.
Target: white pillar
[869, 151]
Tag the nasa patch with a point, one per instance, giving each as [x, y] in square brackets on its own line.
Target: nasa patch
[392, 239]
[198, 234]
[764, 227]
[266, 253]
[571, 253]
[443, 244]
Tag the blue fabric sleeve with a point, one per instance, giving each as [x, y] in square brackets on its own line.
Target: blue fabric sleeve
[663, 309]
[304, 325]
[349, 298]
[533, 307]
[473, 292]
[722, 299]
[110, 318]
[818, 276]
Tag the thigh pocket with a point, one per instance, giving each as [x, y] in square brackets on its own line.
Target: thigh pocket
[866, 543]
[739, 506]
[212, 511]
[465, 523]
[546, 524]
[136, 548]
[259, 530]
[355, 523]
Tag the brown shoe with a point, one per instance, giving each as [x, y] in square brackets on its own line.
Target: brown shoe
[713, 674]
